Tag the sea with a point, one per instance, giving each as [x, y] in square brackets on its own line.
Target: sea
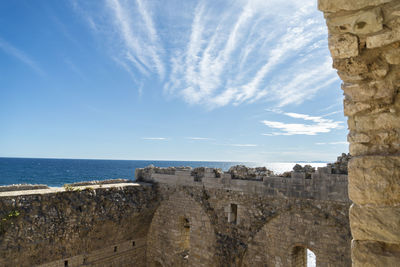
[57, 172]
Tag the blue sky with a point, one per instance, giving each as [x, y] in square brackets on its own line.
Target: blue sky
[168, 80]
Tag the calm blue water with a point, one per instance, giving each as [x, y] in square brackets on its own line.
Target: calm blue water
[56, 172]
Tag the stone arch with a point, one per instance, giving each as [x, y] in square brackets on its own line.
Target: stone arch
[308, 228]
[299, 256]
[180, 234]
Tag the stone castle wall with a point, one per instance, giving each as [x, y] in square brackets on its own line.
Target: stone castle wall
[321, 185]
[178, 217]
[94, 225]
[364, 40]
[273, 217]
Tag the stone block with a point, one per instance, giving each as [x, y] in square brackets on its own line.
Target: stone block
[351, 66]
[348, 78]
[383, 90]
[372, 254]
[336, 5]
[378, 68]
[362, 22]
[298, 175]
[351, 108]
[374, 122]
[227, 176]
[375, 223]
[374, 180]
[385, 37]
[358, 138]
[392, 55]
[343, 45]
[358, 149]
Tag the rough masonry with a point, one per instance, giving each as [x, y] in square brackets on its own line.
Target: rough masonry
[181, 217]
[93, 224]
[364, 40]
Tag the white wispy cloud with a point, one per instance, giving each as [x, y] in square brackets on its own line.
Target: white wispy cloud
[199, 138]
[332, 113]
[84, 14]
[130, 34]
[339, 103]
[21, 56]
[243, 145]
[318, 125]
[155, 138]
[236, 55]
[139, 48]
[333, 143]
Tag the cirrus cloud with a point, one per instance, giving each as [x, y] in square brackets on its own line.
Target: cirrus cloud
[155, 138]
[319, 125]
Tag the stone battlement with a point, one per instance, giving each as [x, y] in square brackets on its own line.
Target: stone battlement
[322, 184]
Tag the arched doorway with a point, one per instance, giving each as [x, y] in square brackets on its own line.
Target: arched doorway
[303, 257]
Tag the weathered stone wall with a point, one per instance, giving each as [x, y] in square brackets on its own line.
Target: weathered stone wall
[100, 225]
[364, 40]
[181, 234]
[179, 217]
[273, 216]
[321, 185]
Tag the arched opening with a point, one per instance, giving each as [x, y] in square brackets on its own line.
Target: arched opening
[181, 233]
[283, 239]
[232, 215]
[311, 258]
[185, 236]
[303, 257]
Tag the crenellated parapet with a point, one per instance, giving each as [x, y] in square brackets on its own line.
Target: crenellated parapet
[321, 184]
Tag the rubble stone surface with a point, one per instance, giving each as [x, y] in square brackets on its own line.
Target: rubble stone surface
[370, 70]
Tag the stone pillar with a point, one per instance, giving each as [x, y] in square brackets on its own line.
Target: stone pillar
[364, 40]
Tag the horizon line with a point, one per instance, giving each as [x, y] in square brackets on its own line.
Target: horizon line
[228, 161]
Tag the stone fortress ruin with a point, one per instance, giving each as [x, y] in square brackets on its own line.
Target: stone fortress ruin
[203, 217]
[181, 217]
